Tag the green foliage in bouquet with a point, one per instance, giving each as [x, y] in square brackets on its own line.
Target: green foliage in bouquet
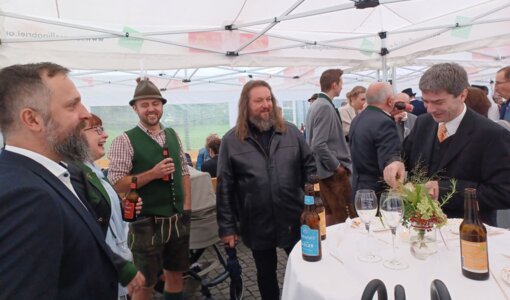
[419, 207]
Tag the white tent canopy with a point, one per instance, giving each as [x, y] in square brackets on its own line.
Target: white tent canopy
[122, 35]
[201, 51]
[287, 42]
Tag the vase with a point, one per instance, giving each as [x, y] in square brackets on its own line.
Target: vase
[423, 240]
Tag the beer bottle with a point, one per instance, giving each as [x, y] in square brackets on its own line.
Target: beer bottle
[130, 201]
[310, 232]
[473, 240]
[166, 154]
[319, 208]
[314, 190]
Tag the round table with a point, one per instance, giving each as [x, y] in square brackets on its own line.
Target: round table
[340, 275]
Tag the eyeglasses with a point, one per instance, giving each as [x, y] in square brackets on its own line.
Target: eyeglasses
[99, 129]
[501, 82]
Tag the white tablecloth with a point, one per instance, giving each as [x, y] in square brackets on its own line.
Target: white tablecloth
[331, 279]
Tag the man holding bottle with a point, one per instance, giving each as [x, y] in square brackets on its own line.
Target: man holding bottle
[159, 238]
[452, 141]
[262, 168]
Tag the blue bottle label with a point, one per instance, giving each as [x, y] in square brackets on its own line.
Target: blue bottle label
[309, 200]
[310, 239]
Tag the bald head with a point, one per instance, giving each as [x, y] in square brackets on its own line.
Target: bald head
[402, 97]
[378, 93]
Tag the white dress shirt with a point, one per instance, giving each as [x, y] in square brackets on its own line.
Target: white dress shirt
[453, 125]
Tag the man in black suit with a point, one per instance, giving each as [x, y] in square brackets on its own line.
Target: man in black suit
[52, 248]
[472, 149]
[418, 106]
[374, 139]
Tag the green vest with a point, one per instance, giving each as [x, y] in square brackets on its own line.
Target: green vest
[160, 198]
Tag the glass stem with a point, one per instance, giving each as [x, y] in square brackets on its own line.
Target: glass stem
[367, 226]
[393, 234]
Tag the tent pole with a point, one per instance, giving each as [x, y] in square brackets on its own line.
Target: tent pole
[271, 25]
[296, 16]
[383, 53]
[394, 79]
[307, 14]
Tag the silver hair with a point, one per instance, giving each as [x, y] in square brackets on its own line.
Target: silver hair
[378, 95]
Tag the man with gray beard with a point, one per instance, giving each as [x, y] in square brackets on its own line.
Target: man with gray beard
[52, 247]
[262, 168]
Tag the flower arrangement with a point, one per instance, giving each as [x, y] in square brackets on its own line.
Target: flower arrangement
[420, 209]
[423, 212]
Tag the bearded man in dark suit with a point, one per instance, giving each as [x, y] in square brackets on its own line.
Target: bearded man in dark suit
[452, 141]
[52, 247]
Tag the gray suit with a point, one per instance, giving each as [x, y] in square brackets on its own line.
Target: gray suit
[404, 128]
[325, 137]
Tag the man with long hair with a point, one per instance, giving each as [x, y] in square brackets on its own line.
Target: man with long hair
[263, 165]
[325, 137]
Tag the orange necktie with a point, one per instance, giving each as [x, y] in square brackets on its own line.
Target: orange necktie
[442, 133]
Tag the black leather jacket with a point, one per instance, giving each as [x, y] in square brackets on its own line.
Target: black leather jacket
[259, 196]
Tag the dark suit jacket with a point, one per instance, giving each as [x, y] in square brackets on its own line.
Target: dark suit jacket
[210, 166]
[89, 188]
[418, 107]
[51, 247]
[93, 193]
[478, 157]
[374, 143]
[503, 109]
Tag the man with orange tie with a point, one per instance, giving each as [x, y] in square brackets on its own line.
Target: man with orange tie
[452, 141]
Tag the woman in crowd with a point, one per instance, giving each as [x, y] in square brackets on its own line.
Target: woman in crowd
[478, 101]
[213, 147]
[357, 99]
[107, 207]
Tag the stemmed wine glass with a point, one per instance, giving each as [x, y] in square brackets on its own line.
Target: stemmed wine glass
[392, 210]
[365, 202]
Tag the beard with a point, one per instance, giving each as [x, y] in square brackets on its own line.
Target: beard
[71, 148]
[262, 124]
[148, 122]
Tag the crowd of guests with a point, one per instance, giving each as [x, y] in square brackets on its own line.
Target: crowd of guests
[61, 217]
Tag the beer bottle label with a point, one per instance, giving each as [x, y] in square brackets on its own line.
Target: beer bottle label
[309, 200]
[310, 239]
[474, 256]
[322, 216]
[129, 210]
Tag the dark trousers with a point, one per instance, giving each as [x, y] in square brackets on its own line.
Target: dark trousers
[266, 261]
[336, 196]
